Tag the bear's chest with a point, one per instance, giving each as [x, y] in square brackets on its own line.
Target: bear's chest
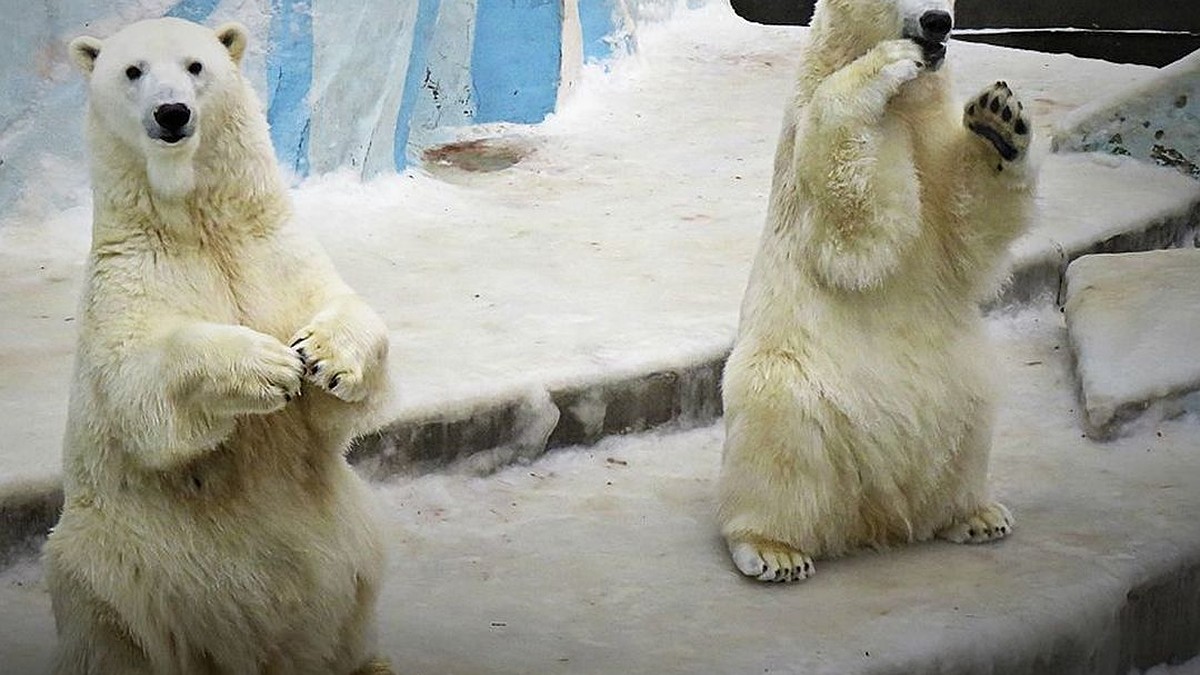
[239, 283]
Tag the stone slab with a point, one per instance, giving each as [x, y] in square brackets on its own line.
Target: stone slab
[1157, 119]
[1134, 326]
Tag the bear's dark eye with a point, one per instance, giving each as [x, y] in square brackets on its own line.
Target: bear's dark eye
[133, 73]
[195, 67]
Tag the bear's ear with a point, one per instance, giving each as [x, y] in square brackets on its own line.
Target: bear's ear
[84, 52]
[233, 36]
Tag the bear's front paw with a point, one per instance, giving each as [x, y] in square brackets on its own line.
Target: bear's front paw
[252, 373]
[334, 359]
[996, 116]
[903, 60]
[989, 523]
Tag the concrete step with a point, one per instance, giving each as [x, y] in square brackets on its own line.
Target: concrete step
[1134, 323]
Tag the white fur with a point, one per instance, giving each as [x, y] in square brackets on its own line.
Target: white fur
[857, 396]
[211, 522]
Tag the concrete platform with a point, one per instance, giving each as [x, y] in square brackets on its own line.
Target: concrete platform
[1133, 321]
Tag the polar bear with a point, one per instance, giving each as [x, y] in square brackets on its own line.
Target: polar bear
[858, 412]
[211, 523]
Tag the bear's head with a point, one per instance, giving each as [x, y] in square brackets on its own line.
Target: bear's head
[861, 24]
[154, 85]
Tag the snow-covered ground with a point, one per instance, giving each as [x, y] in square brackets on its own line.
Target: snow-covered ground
[606, 559]
[621, 241]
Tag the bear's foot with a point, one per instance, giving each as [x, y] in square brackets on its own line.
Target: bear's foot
[989, 523]
[769, 560]
[996, 116]
[374, 667]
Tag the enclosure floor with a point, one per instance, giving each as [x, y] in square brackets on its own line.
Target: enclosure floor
[621, 240]
[606, 560]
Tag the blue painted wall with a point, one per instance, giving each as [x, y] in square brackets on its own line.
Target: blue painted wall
[516, 59]
[193, 10]
[416, 79]
[366, 84]
[598, 19]
[289, 77]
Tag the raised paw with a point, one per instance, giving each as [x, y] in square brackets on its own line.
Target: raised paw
[332, 359]
[989, 523]
[996, 116]
[768, 560]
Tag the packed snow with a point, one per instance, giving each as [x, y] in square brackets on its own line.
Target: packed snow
[607, 559]
[618, 243]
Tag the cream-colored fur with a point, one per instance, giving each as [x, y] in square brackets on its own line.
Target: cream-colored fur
[857, 397]
[211, 523]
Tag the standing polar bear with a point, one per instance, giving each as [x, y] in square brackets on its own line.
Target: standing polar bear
[858, 411]
[211, 523]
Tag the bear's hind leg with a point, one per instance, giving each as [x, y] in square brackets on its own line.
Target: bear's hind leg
[976, 518]
[91, 639]
[989, 523]
[358, 635]
[785, 496]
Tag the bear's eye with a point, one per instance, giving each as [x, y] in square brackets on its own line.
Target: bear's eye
[195, 67]
[133, 73]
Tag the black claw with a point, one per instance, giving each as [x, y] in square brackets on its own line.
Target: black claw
[333, 381]
[995, 105]
[1020, 127]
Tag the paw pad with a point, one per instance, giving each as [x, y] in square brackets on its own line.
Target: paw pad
[999, 118]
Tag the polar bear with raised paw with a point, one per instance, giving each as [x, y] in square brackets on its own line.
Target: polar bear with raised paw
[211, 522]
[857, 397]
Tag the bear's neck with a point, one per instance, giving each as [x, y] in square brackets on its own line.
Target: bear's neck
[229, 187]
[830, 50]
[835, 41]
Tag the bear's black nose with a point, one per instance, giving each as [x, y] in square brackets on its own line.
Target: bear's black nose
[936, 25]
[172, 116]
